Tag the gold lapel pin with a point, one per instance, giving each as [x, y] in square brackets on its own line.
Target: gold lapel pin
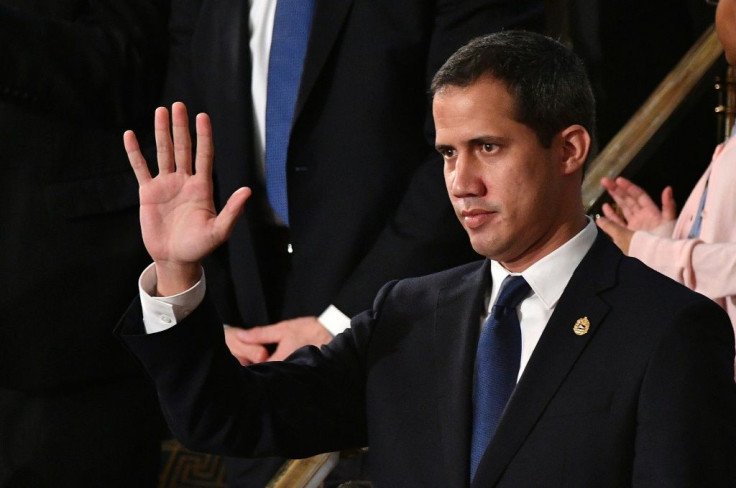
[581, 327]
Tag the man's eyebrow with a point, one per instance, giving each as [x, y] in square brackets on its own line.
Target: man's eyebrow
[485, 139]
[489, 139]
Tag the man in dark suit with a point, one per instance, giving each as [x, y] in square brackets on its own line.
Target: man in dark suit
[75, 409]
[365, 77]
[625, 378]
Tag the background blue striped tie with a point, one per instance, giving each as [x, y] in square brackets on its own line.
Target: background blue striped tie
[291, 26]
[496, 365]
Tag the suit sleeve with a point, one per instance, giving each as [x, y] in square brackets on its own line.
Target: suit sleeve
[423, 234]
[686, 420]
[313, 402]
[103, 60]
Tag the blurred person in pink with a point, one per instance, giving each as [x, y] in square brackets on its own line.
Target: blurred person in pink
[698, 248]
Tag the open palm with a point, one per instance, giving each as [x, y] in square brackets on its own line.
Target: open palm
[639, 211]
[179, 223]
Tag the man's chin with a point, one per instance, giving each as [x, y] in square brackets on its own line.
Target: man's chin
[484, 249]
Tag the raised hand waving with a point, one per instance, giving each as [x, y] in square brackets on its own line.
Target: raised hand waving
[179, 223]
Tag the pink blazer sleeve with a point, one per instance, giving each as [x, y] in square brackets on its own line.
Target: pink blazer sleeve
[706, 264]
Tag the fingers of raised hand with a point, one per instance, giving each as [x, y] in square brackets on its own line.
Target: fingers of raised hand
[173, 154]
[137, 161]
[176, 154]
[182, 139]
[205, 146]
[164, 146]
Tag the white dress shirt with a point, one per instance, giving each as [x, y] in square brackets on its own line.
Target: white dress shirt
[547, 278]
[260, 22]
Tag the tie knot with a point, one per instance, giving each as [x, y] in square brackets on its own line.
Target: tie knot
[513, 290]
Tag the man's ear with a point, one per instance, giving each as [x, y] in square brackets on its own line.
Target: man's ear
[574, 150]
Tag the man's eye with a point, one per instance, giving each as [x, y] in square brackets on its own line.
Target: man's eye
[489, 147]
[447, 152]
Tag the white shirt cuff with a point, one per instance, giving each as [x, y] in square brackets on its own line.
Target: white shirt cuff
[334, 320]
[162, 313]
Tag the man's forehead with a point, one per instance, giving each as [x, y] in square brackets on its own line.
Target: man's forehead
[478, 92]
[479, 104]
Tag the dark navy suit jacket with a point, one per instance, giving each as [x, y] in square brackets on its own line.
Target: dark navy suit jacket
[645, 398]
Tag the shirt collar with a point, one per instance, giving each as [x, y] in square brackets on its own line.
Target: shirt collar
[549, 276]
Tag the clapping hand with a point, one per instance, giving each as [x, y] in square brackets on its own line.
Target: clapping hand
[179, 223]
[638, 211]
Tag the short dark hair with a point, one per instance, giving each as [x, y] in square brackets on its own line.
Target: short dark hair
[547, 80]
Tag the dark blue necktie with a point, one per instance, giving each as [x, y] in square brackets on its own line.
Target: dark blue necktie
[291, 26]
[496, 365]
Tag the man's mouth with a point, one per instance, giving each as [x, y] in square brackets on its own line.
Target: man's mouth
[474, 218]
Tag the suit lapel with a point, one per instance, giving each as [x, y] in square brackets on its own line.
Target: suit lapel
[555, 355]
[329, 16]
[224, 51]
[457, 325]
[225, 68]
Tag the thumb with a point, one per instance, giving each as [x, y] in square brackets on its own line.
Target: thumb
[607, 225]
[620, 235]
[669, 207]
[225, 221]
[611, 215]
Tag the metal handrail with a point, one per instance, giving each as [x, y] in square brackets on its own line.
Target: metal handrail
[651, 116]
[304, 473]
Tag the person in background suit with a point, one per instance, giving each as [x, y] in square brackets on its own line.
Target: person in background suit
[362, 178]
[698, 248]
[624, 376]
[75, 409]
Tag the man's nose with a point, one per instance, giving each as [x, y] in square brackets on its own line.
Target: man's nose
[467, 179]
